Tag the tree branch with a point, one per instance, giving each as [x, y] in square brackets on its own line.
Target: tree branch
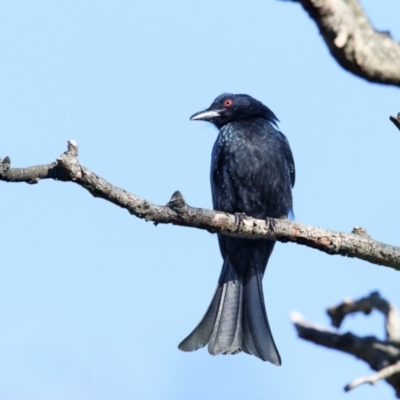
[66, 168]
[366, 305]
[396, 120]
[369, 349]
[353, 42]
[382, 356]
[373, 379]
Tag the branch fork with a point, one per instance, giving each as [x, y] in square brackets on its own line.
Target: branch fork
[382, 356]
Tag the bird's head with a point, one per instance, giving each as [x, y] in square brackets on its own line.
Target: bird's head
[234, 107]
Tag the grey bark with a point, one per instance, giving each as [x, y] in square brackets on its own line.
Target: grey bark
[66, 168]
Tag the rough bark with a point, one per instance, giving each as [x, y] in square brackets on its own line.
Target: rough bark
[66, 168]
[353, 42]
[381, 355]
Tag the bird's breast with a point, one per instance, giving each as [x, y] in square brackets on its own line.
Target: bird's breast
[235, 175]
[249, 173]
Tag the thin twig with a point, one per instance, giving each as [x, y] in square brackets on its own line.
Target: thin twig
[373, 379]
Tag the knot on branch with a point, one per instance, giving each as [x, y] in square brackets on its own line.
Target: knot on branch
[360, 231]
[69, 168]
[177, 203]
[72, 148]
[5, 165]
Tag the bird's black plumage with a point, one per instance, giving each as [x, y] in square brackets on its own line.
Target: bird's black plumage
[252, 172]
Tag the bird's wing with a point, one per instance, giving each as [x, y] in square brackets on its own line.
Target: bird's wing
[214, 172]
[289, 159]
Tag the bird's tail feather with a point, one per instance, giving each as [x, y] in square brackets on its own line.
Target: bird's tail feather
[227, 335]
[200, 335]
[236, 319]
[221, 326]
[257, 335]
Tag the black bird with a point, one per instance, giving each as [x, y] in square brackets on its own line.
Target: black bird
[252, 173]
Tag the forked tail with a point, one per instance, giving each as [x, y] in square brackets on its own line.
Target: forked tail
[236, 319]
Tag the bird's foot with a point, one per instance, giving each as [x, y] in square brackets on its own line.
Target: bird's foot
[239, 218]
[271, 223]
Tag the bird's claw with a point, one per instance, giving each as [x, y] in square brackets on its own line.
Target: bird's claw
[239, 218]
[271, 223]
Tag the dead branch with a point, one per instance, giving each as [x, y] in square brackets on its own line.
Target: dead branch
[396, 120]
[373, 379]
[366, 305]
[381, 356]
[66, 168]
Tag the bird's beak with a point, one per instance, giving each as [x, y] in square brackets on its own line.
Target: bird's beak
[206, 115]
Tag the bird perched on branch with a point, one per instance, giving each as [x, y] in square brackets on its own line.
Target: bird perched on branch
[252, 173]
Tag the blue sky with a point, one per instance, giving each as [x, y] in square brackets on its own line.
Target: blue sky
[94, 302]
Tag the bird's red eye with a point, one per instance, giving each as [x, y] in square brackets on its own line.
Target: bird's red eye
[228, 102]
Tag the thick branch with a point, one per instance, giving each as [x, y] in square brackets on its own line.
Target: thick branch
[353, 42]
[370, 349]
[366, 305]
[67, 168]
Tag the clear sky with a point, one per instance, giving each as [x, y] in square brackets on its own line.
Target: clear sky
[93, 301]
